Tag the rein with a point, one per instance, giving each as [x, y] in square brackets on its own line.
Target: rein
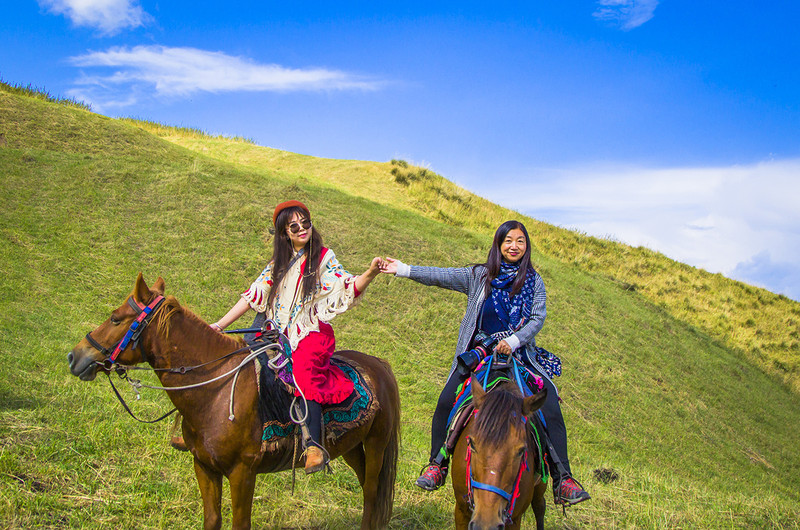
[137, 384]
[125, 405]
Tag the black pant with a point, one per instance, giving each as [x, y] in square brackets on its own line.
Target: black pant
[314, 421]
[551, 410]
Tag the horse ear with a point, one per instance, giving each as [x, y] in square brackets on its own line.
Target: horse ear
[141, 293]
[159, 286]
[478, 393]
[533, 403]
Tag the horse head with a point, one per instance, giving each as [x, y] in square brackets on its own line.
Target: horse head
[500, 455]
[115, 339]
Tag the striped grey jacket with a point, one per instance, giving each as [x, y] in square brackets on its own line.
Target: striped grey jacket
[470, 280]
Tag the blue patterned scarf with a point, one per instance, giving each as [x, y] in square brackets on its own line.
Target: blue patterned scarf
[513, 312]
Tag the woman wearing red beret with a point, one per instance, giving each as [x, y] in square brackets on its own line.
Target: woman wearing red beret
[302, 288]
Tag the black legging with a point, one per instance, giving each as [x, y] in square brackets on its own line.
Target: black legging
[314, 421]
[551, 410]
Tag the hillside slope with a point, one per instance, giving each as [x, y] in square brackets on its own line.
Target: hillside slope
[763, 325]
[697, 436]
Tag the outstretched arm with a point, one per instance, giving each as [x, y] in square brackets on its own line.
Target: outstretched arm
[239, 309]
[370, 274]
[455, 278]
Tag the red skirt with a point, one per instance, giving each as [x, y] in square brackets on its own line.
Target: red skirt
[320, 380]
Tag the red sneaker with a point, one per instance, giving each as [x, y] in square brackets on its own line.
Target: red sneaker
[432, 477]
[570, 492]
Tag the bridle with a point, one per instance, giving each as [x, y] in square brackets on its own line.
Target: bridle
[133, 336]
[511, 498]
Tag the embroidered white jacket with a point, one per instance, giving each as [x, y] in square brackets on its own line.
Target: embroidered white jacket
[335, 293]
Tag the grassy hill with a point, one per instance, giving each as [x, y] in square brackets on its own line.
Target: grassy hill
[764, 326]
[683, 383]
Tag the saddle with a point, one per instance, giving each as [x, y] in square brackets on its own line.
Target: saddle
[490, 373]
[276, 397]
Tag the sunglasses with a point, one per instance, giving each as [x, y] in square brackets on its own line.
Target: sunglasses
[295, 227]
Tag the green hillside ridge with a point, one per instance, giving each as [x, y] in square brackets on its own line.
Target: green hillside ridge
[763, 325]
[697, 433]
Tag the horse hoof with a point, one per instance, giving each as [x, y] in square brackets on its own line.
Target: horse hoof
[177, 442]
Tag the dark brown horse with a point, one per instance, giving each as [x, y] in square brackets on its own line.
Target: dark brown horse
[497, 464]
[175, 337]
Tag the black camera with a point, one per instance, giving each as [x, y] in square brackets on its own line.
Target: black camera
[468, 360]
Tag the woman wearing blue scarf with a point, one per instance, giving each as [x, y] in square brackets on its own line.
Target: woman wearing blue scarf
[506, 304]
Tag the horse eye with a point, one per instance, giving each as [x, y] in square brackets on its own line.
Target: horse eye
[114, 320]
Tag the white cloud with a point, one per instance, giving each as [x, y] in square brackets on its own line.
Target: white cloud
[181, 72]
[742, 221]
[628, 14]
[761, 270]
[108, 16]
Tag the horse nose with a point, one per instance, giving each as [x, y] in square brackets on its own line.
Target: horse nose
[473, 525]
[70, 356]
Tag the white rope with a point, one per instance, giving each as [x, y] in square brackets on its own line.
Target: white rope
[137, 384]
[299, 421]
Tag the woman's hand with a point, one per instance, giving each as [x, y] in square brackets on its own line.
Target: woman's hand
[389, 265]
[375, 267]
[370, 274]
[503, 347]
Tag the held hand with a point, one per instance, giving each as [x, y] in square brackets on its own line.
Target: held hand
[389, 265]
[503, 347]
[375, 266]
[361, 282]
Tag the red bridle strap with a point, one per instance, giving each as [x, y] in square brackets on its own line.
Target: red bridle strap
[511, 498]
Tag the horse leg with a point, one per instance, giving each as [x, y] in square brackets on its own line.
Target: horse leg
[373, 461]
[515, 523]
[462, 515]
[539, 504]
[210, 483]
[243, 483]
[355, 459]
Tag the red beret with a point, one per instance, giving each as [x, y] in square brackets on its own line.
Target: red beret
[288, 204]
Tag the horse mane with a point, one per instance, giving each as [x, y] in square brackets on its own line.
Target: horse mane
[172, 307]
[168, 308]
[494, 418]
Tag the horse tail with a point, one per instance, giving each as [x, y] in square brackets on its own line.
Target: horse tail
[388, 473]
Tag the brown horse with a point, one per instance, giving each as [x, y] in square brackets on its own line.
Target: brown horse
[497, 464]
[233, 448]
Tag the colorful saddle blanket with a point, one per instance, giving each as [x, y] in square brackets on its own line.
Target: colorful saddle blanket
[276, 394]
[489, 377]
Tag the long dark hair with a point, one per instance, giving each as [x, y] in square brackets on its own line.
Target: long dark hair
[495, 258]
[282, 252]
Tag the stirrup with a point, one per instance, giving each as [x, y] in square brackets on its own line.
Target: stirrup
[432, 477]
[559, 499]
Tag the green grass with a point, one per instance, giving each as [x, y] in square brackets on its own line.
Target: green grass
[700, 433]
[42, 94]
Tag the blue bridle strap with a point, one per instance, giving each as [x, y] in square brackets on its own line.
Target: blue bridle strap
[493, 489]
[138, 325]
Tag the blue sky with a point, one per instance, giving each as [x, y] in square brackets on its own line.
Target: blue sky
[669, 124]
